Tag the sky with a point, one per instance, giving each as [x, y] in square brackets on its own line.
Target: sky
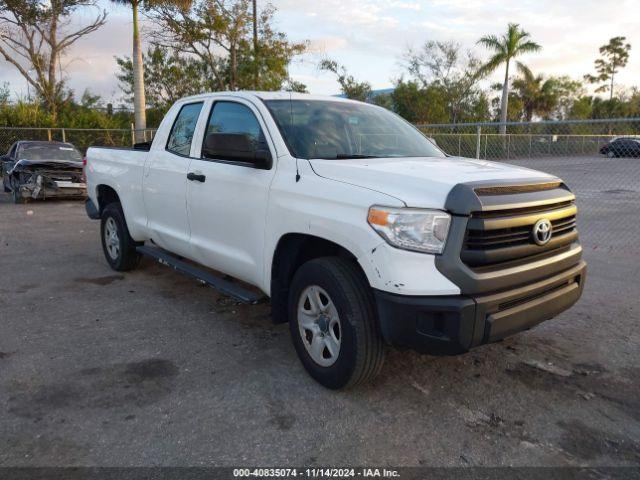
[369, 37]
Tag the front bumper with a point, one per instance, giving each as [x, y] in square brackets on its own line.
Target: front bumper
[42, 188]
[455, 323]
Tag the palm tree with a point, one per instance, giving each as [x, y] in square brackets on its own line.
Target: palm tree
[513, 44]
[139, 102]
[538, 96]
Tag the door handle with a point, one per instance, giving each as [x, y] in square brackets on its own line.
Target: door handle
[196, 177]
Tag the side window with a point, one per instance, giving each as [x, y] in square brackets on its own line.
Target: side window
[232, 132]
[183, 129]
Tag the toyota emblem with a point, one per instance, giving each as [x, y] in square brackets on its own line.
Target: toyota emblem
[541, 232]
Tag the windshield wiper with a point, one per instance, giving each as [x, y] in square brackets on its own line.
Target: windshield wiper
[341, 156]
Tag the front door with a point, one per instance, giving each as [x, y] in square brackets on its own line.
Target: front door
[227, 202]
[165, 183]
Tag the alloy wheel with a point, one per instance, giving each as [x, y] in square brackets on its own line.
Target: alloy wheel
[111, 238]
[319, 325]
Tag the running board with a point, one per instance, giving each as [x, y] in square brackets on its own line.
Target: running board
[225, 287]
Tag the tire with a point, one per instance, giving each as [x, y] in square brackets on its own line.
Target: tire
[117, 245]
[611, 154]
[344, 292]
[16, 196]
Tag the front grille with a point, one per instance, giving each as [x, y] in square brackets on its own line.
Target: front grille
[522, 210]
[500, 236]
[510, 189]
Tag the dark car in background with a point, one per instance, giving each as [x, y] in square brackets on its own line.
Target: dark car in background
[622, 147]
[39, 170]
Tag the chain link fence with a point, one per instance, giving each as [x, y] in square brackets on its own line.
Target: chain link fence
[82, 138]
[598, 159]
[505, 141]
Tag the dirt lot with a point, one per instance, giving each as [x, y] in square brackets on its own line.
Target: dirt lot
[150, 368]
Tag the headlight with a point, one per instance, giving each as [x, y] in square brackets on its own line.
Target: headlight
[411, 228]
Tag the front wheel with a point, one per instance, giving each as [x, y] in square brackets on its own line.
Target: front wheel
[611, 154]
[333, 323]
[16, 194]
[118, 246]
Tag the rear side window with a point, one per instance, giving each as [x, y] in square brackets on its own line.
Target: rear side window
[183, 129]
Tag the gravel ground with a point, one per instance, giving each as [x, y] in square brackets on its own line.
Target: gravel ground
[150, 368]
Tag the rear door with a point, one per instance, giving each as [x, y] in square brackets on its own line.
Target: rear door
[165, 182]
[227, 202]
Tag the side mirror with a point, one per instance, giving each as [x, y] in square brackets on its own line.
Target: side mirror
[262, 159]
[237, 147]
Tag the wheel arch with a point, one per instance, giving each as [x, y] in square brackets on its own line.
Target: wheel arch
[106, 194]
[292, 250]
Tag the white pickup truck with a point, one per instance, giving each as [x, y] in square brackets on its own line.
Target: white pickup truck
[359, 229]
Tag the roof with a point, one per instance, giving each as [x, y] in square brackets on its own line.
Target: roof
[247, 94]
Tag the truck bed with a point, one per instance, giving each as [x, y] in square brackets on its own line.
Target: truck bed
[121, 169]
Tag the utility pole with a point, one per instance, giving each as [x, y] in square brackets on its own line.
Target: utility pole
[255, 46]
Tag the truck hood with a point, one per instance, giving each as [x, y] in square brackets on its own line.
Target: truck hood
[420, 181]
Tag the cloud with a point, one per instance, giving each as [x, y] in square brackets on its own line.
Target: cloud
[327, 44]
[370, 36]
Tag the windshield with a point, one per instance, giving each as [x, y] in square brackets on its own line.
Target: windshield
[336, 130]
[49, 152]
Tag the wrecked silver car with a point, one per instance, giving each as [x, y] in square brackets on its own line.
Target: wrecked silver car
[40, 170]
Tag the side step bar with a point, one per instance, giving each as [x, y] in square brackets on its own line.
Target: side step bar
[223, 286]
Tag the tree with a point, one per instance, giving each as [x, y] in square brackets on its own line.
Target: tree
[384, 100]
[624, 104]
[507, 47]
[351, 88]
[219, 33]
[34, 36]
[538, 96]
[86, 112]
[567, 92]
[582, 108]
[294, 86]
[168, 76]
[4, 94]
[139, 98]
[446, 66]
[615, 56]
[419, 104]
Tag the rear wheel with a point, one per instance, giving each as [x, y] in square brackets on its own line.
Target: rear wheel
[333, 323]
[118, 246]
